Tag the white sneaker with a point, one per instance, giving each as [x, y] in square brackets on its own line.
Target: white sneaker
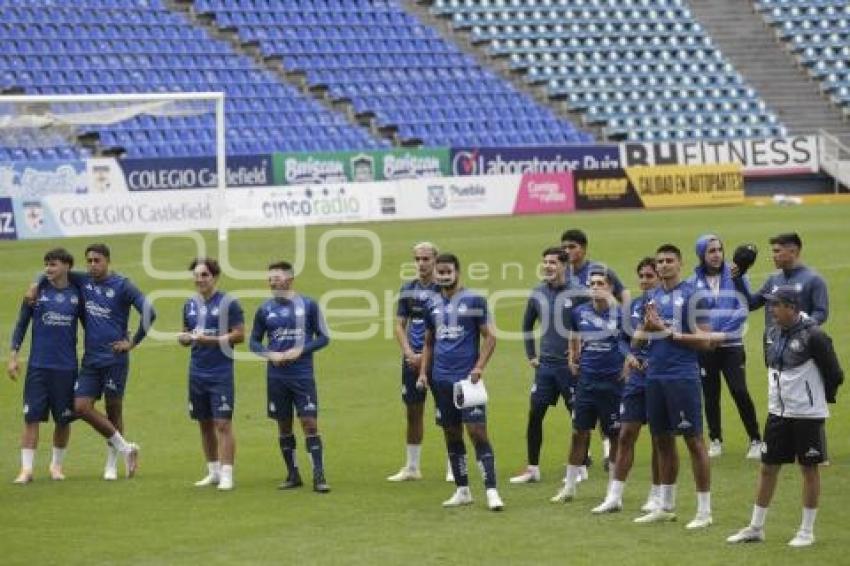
[210, 479]
[225, 483]
[607, 506]
[462, 496]
[651, 505]
[131, 458]
[802, 538]
[699, 522]
[656, 516]
[24, 477]
[530, 475]
[110, 474]
[715, 448]
[565, 494]
[754, 452]
[494, 502]
[747, 534]
[56, 473]
[406, 474]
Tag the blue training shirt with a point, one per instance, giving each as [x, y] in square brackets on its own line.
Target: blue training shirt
[54, 327]
[455, 325]
[412, 302]
[604, 346]
[215, 317]
[107, 312]
[811, 288]
[552, 306]
[289, 323]
[636, 380]
[667, 359]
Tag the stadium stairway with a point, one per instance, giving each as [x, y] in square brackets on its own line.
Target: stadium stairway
[750, 44]
[466, 42]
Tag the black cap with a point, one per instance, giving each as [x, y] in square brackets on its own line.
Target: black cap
[786, 294]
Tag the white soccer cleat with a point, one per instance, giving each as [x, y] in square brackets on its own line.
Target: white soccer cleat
[715, 448]
[406, 474]
[225, 483]
[210, 479]
[110, 473]
[651, 505]
[608, 506]
[494, 502]
[461, 496]
[747, 534]
[24, 477]
[565, 494]
[56, 472]
[131, 459]
[656, 516]
[754, 452]
[801, 539]
[530, 475]
[699, 522]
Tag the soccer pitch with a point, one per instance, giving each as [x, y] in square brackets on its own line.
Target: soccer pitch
[160, 518]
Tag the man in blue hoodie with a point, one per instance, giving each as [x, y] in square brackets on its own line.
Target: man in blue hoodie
[727, 313]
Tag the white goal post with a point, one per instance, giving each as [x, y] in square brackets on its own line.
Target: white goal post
[18, 121]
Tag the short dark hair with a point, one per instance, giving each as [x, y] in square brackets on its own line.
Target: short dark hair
[575, 235]
[787, 238]
[646, 262]
[448, 258]
[601, 272]
[101, 249]
[59, 254]
[554, 250]
[669, 249]
[210, 263]
[282, 265]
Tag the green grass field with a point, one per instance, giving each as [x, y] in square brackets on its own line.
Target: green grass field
[159, 518]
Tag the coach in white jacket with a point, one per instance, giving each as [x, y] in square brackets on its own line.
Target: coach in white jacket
[803, 376]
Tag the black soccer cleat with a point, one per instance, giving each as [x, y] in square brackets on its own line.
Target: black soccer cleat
[292, 481]
[320, 485]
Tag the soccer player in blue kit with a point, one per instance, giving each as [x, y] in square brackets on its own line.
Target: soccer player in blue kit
[551, 305]
[213, 323]
[598, 351]
[633, 404]
[108, 298]
[52, 366]
[459, 340]
[673, 395]
[410, 333]
[294, 329]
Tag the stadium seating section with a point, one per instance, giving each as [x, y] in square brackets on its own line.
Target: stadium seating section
[639, 69]
[117, 46]
[644, 69]
[389, 65]
[818, 32]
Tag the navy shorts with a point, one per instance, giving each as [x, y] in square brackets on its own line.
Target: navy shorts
[674, 406]
[789, 439]
[49, 391]
[409, 392]
[552, 383]
[447, 414]
[633, 406]
[211, 398]
[286, 395]
[109, 381]
[597, 404]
